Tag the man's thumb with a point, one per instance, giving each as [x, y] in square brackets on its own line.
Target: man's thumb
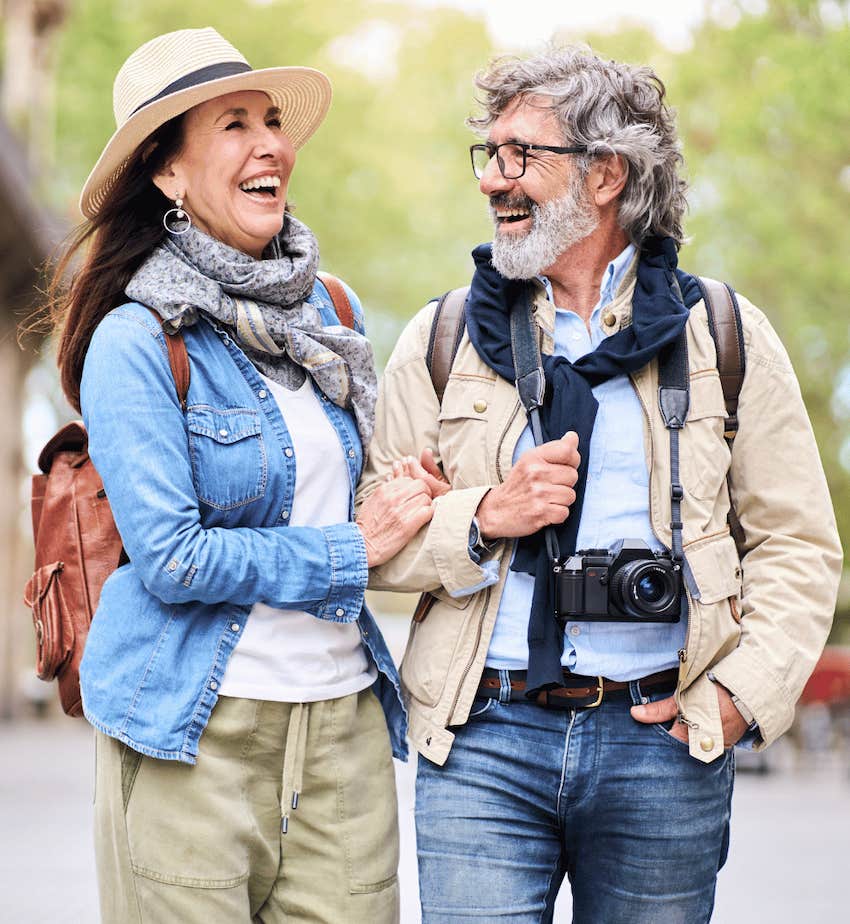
[655, 713]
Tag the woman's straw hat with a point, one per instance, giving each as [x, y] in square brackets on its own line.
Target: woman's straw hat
[174, 72]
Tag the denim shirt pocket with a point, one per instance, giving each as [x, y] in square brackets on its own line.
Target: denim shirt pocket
[228, 454]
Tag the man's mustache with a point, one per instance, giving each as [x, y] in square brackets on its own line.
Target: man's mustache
[504, 201]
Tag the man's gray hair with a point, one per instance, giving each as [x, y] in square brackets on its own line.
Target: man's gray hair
[612, 108]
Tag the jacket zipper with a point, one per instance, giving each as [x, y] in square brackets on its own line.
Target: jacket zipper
[471, 661]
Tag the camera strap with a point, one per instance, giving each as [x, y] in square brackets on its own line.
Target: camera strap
[530, 382]
[674, 402]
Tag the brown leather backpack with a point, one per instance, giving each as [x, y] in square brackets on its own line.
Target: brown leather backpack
[77, 545]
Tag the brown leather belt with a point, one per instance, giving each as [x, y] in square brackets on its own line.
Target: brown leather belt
[578, 692]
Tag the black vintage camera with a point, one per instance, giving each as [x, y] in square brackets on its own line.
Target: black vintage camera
[626, 583]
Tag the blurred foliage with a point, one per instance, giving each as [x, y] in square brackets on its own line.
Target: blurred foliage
[764, 112]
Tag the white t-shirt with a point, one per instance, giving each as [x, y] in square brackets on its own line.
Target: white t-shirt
[288, 655]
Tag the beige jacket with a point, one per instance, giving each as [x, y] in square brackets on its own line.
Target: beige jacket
[758, 615]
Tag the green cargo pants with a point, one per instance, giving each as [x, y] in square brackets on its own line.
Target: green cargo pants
[289, 815]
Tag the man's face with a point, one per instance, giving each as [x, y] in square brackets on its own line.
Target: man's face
[547, 210]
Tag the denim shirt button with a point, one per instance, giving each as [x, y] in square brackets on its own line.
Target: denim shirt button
[340, 611]
[262, 393]
[351, 453]
[213, 685]
[171, 566]
[287, 452]
[234, 626]
[222, 432]
[284, 514]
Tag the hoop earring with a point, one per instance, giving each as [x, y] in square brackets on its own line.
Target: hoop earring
[177, 220]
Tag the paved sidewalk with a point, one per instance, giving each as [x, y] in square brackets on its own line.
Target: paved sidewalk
[788, 861]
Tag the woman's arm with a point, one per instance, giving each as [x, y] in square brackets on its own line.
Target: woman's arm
[138, 442]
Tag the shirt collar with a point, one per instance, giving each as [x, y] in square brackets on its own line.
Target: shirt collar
[611, 278]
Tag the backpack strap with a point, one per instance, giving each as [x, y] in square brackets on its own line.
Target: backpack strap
[446, 332]
[178, 359]
[724, 323]
[339, 297]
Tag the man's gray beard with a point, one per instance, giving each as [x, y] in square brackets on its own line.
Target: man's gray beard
[555, 227]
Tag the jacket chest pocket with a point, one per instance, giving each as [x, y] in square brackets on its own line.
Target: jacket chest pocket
[228, 455]
[463, 422]
[704, 454]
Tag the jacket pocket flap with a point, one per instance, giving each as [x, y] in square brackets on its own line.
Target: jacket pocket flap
[224, 426]
[467, 397]
[716, 568]
[706, 397]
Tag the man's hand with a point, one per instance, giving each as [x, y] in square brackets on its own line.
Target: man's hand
[538, 491]
[734, 724]
[425, 469]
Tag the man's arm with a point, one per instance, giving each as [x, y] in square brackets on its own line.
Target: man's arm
[791, 557]
[406, 421]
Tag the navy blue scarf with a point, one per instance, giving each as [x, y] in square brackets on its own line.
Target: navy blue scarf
[658, 317]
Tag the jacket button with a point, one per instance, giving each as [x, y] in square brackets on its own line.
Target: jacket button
[707, 744]
[287, 452]
[609, 319]
[222, 432]
[262, 393]
[480, 406]
[284, 514]
[351, 453]
[213, 685]
[234, 626]
[340, 611]
[171, 566]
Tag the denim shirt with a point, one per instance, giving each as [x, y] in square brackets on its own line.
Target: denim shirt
[201, 500]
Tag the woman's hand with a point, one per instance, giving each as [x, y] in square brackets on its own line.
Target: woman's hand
[391, 516]
[426, 470]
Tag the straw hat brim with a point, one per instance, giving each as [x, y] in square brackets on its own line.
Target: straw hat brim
[302, 94]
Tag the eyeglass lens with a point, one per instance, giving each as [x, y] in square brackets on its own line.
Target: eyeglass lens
[510, 158]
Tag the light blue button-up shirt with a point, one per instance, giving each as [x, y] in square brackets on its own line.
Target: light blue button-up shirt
[616, 506]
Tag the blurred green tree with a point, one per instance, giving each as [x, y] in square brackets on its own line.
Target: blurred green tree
[385, 183]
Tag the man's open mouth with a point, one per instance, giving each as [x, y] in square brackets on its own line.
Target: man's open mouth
[509, 216]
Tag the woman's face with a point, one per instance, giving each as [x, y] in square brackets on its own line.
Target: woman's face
[233, 170]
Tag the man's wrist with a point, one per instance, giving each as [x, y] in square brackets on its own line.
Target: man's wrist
[477, 547]
[744, 710]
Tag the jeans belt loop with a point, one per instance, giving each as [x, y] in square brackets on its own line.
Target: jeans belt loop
[504, 686]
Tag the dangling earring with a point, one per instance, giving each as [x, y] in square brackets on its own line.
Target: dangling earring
[176, 220]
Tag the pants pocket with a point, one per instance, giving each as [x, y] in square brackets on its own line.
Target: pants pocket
[366, 803]
[188, 825]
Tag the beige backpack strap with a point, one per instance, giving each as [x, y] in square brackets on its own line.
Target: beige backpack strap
[446, 332]
[342, 306]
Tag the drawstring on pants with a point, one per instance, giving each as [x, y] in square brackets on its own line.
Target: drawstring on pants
[293, 762]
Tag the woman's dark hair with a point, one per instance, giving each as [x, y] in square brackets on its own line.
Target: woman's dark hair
[121, 235]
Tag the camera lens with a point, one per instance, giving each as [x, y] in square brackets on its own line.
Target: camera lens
[645, 588]
[650, 588]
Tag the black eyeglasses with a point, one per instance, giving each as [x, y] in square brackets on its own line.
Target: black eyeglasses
[511, 156]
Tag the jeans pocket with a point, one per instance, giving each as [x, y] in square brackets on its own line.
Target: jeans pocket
[480, 707]
[664, 730]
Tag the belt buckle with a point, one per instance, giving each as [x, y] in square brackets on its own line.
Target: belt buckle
[599, 682]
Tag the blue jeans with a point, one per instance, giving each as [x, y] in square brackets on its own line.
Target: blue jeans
[528, 794]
